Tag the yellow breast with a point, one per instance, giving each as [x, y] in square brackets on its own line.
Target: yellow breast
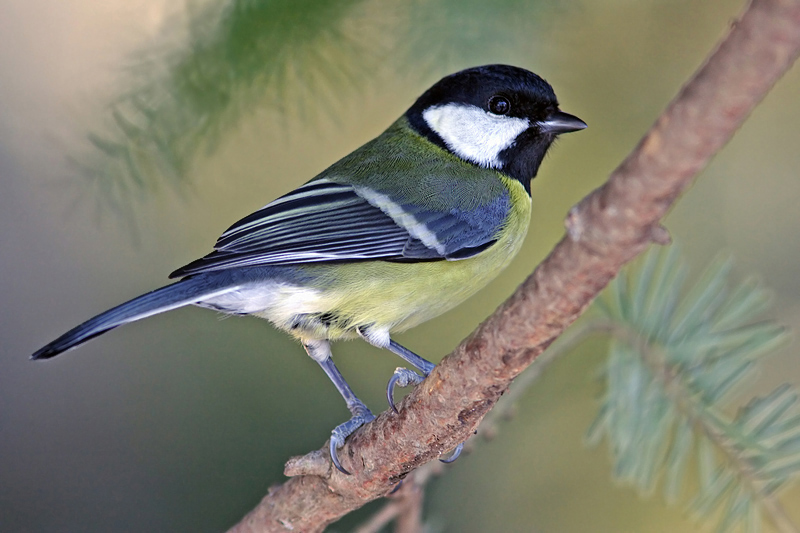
[397, 296]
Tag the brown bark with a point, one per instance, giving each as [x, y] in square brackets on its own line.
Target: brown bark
[605, 230]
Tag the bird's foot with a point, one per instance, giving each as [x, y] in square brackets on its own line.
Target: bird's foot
[361, 415]
[402, 377]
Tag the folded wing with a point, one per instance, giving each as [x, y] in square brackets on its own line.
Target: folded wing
[325, 221]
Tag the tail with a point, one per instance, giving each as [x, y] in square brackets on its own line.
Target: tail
[184, 292]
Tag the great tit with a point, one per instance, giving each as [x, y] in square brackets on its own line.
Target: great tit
[399, 231]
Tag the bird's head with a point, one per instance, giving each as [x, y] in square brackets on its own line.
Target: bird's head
[494, 116]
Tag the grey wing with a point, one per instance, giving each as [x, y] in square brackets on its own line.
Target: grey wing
[324, 221]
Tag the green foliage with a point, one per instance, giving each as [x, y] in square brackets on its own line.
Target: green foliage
[184, 96]
[675, 362]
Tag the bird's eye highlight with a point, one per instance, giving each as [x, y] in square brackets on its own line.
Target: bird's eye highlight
[499, 105]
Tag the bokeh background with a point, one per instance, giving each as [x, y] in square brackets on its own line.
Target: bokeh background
[182, 422]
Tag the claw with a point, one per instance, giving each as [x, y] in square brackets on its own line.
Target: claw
[455, 454]
[402, 377]
[361, 416]
[335, 456]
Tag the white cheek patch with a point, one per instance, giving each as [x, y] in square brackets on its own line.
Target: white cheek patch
[474, 134]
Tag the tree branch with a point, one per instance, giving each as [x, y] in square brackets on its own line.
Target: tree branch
[605, 230]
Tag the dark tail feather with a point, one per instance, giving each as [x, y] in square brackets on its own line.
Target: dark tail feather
[178, 294]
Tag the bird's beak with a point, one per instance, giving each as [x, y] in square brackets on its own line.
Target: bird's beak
[560, 122]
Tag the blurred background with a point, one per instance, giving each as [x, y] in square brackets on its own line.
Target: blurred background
[132, 133]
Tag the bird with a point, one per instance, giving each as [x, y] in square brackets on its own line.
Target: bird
[399, 231]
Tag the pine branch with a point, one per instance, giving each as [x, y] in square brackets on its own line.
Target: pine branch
[606, 230]
[672, 366]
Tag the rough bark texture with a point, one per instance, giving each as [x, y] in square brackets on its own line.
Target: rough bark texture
[606, 230]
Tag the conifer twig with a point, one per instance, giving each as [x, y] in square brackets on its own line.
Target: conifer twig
[708, 423]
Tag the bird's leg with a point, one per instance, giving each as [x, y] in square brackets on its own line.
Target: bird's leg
[423, 365]
[320, 351]
[403, 377]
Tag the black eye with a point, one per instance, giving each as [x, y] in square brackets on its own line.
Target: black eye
[499, 105]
